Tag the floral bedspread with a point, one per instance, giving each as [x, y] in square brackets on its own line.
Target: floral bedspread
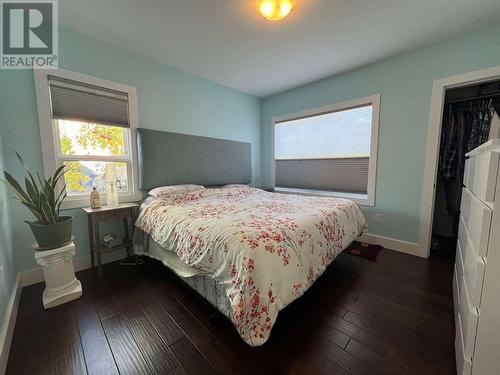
[266, 249]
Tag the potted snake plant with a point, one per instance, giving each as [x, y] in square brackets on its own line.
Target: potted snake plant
[39, 195]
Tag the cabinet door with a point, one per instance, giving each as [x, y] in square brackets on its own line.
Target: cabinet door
[475, 220]
[480, 175]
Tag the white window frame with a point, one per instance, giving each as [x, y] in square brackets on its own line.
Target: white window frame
[50, 137]
[367, 199]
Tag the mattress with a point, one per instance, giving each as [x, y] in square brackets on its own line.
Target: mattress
[264, 249]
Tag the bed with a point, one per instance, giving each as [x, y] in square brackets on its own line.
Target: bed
[250, 253]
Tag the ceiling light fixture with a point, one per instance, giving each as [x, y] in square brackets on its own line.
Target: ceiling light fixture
[275, 10]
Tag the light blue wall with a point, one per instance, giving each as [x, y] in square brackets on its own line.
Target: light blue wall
[168, 99]
[6, 249]
[405, 85]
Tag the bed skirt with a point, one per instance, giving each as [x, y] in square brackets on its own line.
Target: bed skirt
[207, 287]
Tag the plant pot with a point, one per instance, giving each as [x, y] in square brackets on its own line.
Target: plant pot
[51, 236]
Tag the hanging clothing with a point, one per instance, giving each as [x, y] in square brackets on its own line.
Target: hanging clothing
[465, 127]
[485, 126]
[475, 126]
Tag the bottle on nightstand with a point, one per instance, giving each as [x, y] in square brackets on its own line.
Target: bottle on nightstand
[95, 198]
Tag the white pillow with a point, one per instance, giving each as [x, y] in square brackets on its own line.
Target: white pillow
[162, 191]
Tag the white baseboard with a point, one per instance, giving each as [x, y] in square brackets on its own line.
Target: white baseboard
[7, 328]
[411, 248]
[35, 275]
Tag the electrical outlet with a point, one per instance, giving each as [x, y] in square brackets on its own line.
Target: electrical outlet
[377, 218]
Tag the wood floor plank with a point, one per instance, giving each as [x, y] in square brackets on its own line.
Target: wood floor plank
[412, 294]
[357, 320]
[228, 350]
[152, 331]
[318, 363]
[221, 358]
[423, 344]
[402, 362]
[159, 358]
[335, 336]
[96, 350]
[166, 327]
[187, 299]
[368, 356]
[29, 353]
[422, 335]
[178, 371]
[371, 341]
[392, 310]
[190, 358]
[65, 347]
[346, 360]
[127, 354]
[104, 304]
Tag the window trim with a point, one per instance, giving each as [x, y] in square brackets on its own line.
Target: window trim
[374, 101]
[50, 151]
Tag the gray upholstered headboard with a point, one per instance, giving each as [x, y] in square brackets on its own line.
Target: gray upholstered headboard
[172, 158]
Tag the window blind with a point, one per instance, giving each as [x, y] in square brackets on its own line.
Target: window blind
[341, 175]
[339, 134]
[71, 100]
[328, 151]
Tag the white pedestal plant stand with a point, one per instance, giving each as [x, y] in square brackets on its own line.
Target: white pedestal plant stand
[61, 285]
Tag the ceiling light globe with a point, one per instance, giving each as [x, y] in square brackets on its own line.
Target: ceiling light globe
[275, 10]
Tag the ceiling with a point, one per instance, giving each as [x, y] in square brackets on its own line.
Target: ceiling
[228, 42]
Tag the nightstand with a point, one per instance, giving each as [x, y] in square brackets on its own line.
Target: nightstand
[126, 212]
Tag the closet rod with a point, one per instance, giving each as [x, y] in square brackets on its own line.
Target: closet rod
[470, 98]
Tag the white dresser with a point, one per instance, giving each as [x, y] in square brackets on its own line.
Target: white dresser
[476, 283]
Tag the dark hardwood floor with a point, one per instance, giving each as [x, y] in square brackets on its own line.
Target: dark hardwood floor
[393, 316]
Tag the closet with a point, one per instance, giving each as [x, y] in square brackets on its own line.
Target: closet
[467, 221]
[470, 118]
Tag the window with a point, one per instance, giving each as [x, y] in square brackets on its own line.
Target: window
[87, 149]
[328, 151]
[88, 125]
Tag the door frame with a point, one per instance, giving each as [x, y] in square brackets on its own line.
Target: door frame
[439, 88]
